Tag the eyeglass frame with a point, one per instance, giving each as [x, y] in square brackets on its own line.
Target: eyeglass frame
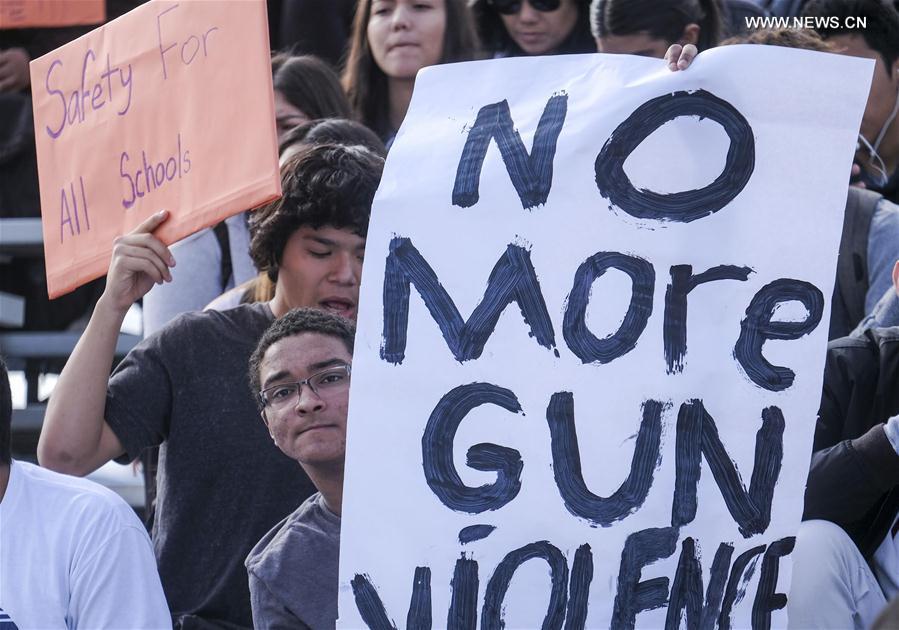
[511, 7]
[306, 381]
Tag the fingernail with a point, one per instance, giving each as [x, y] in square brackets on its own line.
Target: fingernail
[171, 261]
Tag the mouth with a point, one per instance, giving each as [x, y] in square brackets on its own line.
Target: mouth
[317, 427]
[402, 46]
[340, 306]
[531, 37]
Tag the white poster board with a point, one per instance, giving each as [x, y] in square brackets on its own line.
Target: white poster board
[611, 424]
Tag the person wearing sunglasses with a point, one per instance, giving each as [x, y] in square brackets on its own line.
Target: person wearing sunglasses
[516, 28]
[300, 375]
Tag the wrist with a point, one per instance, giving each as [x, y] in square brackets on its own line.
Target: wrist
[110, 310]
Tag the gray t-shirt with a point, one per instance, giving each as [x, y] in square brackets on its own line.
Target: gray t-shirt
[222, 482]
[293, 570]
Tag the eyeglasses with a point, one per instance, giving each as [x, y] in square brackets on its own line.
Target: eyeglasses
[511, 7]
[322, 385]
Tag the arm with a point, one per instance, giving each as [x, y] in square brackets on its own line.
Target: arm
[75, 438]
[116, 584]
[849, 472]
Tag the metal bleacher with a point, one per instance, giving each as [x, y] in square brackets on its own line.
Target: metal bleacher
[33, 351]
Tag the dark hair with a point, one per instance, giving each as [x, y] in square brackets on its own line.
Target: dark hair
[333, 131]
[297, 322]
[366, 84]
[325, 185]
[786, 37]
[5, 415]
[662, 19]
[496, 38]
[881, 30]
[310, 85]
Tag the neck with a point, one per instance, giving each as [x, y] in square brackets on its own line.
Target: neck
[329, 481]
[277, 304]
[4, 480]
[400, 93]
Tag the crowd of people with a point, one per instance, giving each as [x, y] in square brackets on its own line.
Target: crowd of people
[244, 537]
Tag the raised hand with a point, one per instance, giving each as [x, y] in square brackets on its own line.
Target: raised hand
[139, 260]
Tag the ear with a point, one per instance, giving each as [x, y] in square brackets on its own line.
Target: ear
[690, 34]
[896, 277]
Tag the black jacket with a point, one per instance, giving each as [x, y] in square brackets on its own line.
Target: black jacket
[855, 470]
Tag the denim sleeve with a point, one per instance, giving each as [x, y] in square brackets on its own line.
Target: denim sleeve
[883, 251]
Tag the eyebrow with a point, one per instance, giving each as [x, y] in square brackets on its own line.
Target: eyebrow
[313, 367]
[321, 240]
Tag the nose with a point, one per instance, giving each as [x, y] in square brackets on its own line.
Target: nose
[401, 17]
[527, 13]
[308, 401]
[347, 269]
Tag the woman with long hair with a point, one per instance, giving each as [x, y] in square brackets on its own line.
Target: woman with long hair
[392, 40]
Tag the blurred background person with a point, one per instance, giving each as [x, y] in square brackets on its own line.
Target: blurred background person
[649, 27]
[392, 40]
[515, 28]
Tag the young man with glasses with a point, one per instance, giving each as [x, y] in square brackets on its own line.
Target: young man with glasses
[300, 373]
[222, 484]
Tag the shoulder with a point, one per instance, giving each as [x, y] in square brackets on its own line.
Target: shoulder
[73, 499]
[885, 220]
[303, 533]
[242, 323]
[865, 359]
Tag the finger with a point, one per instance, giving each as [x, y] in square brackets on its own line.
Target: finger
[686, 57]
[151, 242]
[151, 223]
[7, 84]
[139, 267]
[672, 55]
[133, 256]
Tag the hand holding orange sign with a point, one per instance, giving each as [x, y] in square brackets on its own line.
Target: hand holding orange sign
[168, 107]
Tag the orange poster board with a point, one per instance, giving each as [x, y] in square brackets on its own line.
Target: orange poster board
[35, 13]
[169, 107]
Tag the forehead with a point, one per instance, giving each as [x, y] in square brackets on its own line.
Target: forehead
[641, 43]
[336, 237]
[299, 354]
[854, 45]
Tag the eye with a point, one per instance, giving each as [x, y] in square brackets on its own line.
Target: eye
[319, 253]
[334, 377]
[381, 8]
[281, 392]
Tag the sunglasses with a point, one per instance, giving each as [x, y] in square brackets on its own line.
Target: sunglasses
[511, 7]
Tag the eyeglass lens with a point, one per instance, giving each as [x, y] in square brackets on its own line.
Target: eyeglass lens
[511, 7]
[320, 383]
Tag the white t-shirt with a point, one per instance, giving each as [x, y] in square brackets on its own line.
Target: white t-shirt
[74, 555]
